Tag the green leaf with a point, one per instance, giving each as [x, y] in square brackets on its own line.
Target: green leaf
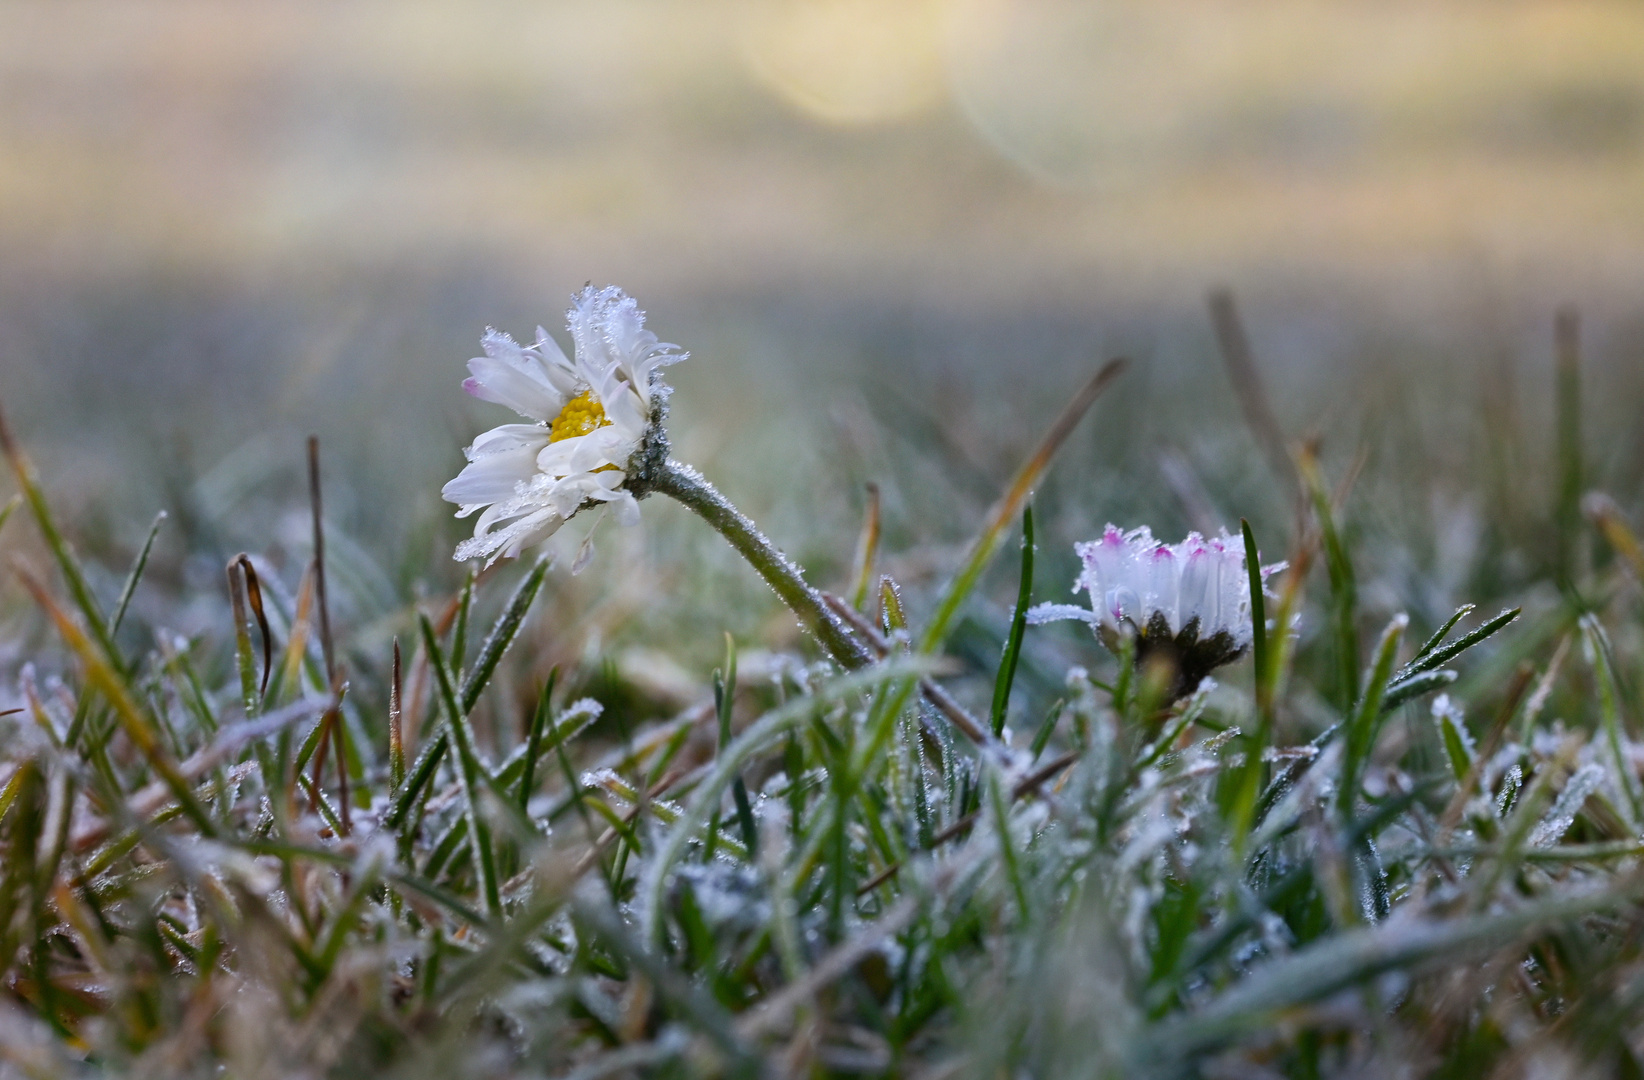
[1405, 690]
[468, 769]
[135, 575]
[1343, 589]
[1438, 657]
[501, 636]
[459, 632]
[1018, 625]
[1365, 723]
[533, 742]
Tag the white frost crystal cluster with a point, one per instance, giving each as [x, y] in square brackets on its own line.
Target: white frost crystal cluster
[596, 425]
[1191, 599]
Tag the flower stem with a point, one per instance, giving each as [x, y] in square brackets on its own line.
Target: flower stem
[690, 487]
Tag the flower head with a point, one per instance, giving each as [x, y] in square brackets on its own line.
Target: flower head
[1188, 601]
[596, 432]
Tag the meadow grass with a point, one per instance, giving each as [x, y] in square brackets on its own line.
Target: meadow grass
[919, 842]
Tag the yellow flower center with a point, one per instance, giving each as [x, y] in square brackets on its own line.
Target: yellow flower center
[581, 415]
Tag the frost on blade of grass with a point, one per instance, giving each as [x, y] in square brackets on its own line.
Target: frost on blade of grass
[1586, 780]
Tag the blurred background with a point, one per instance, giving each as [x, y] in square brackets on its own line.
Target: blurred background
[894, 234]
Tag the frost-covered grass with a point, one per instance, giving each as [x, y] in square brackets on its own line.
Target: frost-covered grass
[1389, 842]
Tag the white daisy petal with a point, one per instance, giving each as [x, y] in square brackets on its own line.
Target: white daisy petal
[492, 478]
[506, 439]
[527, 393]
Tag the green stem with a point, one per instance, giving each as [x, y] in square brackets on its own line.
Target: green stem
[681, 482]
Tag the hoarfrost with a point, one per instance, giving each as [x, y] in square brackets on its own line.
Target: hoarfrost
[1558, 820]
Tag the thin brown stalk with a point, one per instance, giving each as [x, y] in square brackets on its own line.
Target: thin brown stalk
[315, 506]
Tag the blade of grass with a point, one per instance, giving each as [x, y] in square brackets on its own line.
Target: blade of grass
[1258, 630]
[254, 599]
[327, 649]
[459, 632]
[7, 510]
[1597, 647]
[1247, 386]
[1567, 508]
[67, 563]
[296, 646]
[1444, 631]
[468, 770]
[1343, 590]
[1010, 504]
[1602, 511]
[134, 576]
[1242, 812]
[501, 636]
[1365, 722]
[724, 702]
[867, 550]
[396, 730]
[1408, 689]
[533, 742]
[247, 662]
[1018, 625]
[1440, 656]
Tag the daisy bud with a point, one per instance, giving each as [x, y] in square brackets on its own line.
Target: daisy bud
[1187, 602]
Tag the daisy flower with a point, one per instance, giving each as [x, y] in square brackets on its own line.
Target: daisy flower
[1189, 601]
[595, 435]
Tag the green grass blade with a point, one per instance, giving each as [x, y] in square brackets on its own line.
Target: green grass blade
[1365, 722]
[468, 769]
[1041, 738]
[1005, 510]
[1596, 645]
[724, 702]
[1441, 656]
[867, 550]
[1018, 626]
[1444, 631]
[501, 636]
[1407, 689]
[459, 632]
[61, 552]
[246, 661]
[533, 742]
[1343, 587]
[135, 575]
[11, 506]
[1567, 510]
[1258, 629]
